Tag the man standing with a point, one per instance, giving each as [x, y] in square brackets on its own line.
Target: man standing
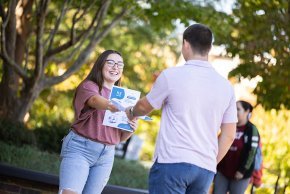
[196, 103]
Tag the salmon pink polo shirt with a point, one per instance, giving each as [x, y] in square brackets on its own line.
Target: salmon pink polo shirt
[88, 121]
[195, 101]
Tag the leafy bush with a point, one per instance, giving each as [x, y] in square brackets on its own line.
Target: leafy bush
[29, 157]
[49, 137]
[16, 133]
[125, 173]
[129, 173]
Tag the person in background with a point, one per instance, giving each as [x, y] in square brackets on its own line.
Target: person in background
[87, 153]
[236, 168]
[196, 103]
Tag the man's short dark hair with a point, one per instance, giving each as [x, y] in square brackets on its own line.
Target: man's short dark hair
[199, 37]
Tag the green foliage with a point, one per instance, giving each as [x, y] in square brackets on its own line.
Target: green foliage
[275, 134]
[124, 173]
[148, 132]
[16, 133]
[29, 157]
[260, 36]
[129, 173]
[149, 43]
[142, 57]
[49, 138]
[53, 107]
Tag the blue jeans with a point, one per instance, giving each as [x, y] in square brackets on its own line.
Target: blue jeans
[85, 164]
[179, 178]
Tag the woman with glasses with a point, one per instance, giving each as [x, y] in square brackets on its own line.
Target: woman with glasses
[87, 153]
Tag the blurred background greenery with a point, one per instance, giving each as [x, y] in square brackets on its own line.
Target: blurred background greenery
[41, 67]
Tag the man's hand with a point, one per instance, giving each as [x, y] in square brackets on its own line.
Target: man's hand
[225, 139]
[129, 113]
[142, 107]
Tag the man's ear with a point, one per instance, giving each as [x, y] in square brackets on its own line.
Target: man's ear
[186, 43]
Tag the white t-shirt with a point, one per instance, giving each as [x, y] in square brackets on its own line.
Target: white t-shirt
[195, 101]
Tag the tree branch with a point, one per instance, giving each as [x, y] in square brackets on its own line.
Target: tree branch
[74, 21]
[4, 55]
[86, 10]
[2, 13]
[57, 24]
[70, 56]
[16, 67]
[26, 56]
[5, 22]
[85, 53]
[85, 35]
[41, 12]
[100, 16]
[288, 17]
[109, 27]
[70, 43]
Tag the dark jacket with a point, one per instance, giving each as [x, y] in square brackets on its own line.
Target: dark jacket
[251, 140]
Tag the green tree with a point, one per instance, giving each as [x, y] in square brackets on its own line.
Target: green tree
[44, 42]
[260, 36]
[273, 127]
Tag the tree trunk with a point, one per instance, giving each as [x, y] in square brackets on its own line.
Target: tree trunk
[15, 108]
[9, 82]
[12, 102]
[23, 30]
[26, 101]
[8, 100]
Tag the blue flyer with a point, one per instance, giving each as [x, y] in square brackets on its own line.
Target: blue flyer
[121, 98]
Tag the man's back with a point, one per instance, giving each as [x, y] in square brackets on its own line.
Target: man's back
[195, 102]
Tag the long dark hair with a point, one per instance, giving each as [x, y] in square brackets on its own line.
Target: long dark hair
[96, 74]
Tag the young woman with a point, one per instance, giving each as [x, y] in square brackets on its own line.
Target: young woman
[236, 168]
[87, 153]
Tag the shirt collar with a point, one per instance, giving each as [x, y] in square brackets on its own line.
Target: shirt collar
[199, 63]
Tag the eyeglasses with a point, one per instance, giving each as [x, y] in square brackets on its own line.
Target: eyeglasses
[112, 63]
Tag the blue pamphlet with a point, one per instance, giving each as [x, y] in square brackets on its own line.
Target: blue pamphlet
[122, 98]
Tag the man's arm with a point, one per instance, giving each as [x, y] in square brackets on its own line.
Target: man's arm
[225, 139]
[143, 107]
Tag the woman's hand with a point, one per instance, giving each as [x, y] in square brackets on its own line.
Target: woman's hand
[133, 123]
[111, 107]
[126, 134]
[101, 103]
[238, 175]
